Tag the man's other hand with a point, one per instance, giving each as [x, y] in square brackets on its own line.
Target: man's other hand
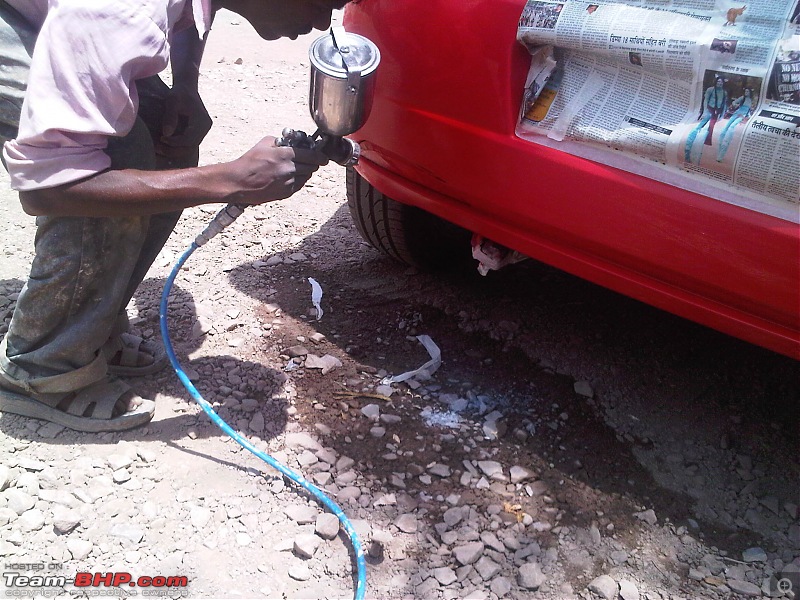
[186, 122]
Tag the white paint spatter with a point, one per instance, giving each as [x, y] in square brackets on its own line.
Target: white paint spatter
[436, 418]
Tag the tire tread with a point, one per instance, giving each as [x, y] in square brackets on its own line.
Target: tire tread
[405, 233]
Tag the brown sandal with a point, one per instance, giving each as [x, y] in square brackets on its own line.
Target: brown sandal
[96, 407]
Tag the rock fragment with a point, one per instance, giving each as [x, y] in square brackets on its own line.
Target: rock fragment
[648, 516]
[492, 469]
[407, 523]
[754, 555]
[30, 520]
[65, 519]
[605, 587]
[19, 501]
[199, 516]
[127, 531]
[445, 575]
[326, 363]
[79, 549]
[500, 586]
[745, 588]
[306, 545]
[487, 568]
[628, 590]
[326, 526]
[469, 553]
[300, 572]
[5, 477]
[303, 514]
[519, 474]
[530, 576]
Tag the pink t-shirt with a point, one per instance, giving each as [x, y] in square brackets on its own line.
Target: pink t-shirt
[81, 84]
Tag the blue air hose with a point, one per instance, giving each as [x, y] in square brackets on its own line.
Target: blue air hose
[222, 220]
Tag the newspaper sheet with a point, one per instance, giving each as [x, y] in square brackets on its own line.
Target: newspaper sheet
[701, 94]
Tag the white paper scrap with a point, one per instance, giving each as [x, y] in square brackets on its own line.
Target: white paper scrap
[591, 87]
[428, 369]
[316, 296]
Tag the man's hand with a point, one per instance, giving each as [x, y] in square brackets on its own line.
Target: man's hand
[186, 122]
[268, 172]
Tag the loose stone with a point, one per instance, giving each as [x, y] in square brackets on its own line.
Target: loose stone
[79, 549]
[127, 531]
[628, 590]
[65, 519]
[31, 520]
[500, 586]
[440, 470]
[648, 516]
[303, 514]
[326, 526]
[445, 575]
[745, 588]
[407, 523]
[200, 516]
[754, 555]
[583, 388]
[530, 576]
[487, 568]
[5, 477]
[19, 501]
[300, 572]
[605, 587]
[371, 411]
[492, 469]
[519, 474]
[468, 553]
[306, 545]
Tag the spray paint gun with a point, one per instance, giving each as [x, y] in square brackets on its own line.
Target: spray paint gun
[340, 95]
[343, 67]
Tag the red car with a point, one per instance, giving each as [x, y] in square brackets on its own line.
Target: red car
[439, 150]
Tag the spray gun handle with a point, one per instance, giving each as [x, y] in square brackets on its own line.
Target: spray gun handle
[339, 149]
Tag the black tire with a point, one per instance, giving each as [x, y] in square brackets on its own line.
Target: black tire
[405, 233]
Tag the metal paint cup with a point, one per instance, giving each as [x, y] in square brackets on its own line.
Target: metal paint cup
[342, 81]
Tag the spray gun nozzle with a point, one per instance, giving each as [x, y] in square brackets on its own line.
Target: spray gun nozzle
[340, 150]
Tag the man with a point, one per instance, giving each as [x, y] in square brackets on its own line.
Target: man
[105, 155]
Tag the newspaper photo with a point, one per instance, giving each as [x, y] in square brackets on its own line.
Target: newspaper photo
[700, 94]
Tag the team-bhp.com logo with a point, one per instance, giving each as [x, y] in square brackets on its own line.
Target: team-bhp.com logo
[26, 585]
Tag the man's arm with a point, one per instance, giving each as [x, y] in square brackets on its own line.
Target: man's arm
[264, 173]
[185, 54]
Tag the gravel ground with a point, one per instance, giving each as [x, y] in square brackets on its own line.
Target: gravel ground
[573, 444]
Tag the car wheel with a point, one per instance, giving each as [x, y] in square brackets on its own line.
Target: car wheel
[405, 233]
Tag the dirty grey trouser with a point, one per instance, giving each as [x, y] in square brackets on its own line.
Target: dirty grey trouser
[85, 270]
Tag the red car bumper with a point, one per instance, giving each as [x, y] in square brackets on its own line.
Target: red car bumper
[441, 137]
